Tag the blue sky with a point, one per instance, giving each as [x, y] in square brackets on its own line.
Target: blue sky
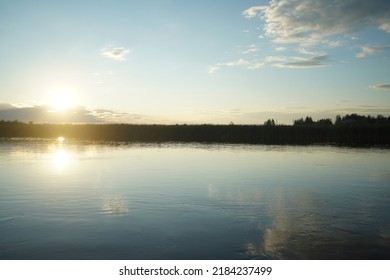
[193, 61]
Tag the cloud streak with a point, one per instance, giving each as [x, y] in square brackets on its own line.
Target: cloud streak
[217, 67]
[118, 54]
[251, 65]
[251, 49]
[316, 61]
[371, 51]
[275, 61]
[381, 87]
[239, 62]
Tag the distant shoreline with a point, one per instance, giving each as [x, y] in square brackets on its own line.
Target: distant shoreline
[343, 134]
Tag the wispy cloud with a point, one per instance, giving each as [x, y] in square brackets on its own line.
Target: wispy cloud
[312, 21]
[109, 116]
[239, 62]
[371, 51]
[316, 61]
[253, 11]
[256, 65]
[217, 67]
[333, 43]
[251, 49]
[213, 69]
[308, 51]
[275, 61]
[273, 58]
[247, 64]
[280, 49]
[115, 53]
[381, 87]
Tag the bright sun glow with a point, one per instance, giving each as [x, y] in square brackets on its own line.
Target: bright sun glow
[60, 160]
[61, 101]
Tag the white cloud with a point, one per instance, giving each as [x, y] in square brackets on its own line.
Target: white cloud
[371, 51]
[280, 49]
[381, 87]
[252, 65]
[253, 11]
[256, 65]
[275, 61]
[311, 21]
[333, 43]
[385, 26]
[307, 51]
[272, 58]
[115, 53]
[315, 61]
[213, 69]
[250, 50]
[239, 62]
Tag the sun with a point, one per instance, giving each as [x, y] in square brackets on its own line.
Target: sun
[61, 101]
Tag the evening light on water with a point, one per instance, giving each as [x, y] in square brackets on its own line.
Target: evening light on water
[204, 130]
[192, 201]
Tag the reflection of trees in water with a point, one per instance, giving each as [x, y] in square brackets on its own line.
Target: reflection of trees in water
[303, 228]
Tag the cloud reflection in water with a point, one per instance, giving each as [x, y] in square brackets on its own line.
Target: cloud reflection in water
[304, 226]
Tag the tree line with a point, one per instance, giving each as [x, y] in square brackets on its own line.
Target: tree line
[353, 119]
[347, 130]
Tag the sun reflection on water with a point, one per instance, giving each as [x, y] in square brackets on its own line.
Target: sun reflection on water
[59, 154]
[60, 159]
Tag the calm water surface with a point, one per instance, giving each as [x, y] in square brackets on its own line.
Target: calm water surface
[69, 200]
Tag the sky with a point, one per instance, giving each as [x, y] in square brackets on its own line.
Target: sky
[171, 61]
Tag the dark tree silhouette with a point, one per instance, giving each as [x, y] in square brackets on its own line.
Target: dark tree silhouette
[348, 130]
[324, 122]
[270, 122]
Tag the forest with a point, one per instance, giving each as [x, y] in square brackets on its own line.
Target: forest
[350, 129]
